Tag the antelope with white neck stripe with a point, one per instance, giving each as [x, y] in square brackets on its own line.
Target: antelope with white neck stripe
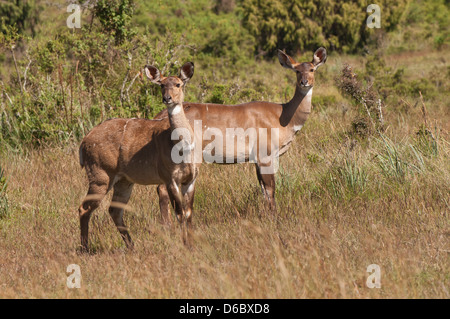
[287, 119]
[119, 153]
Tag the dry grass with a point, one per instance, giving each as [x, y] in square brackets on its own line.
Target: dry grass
[318, 245]
[342, 205]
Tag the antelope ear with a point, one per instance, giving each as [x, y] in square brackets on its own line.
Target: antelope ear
[153, 74]
[286, 61]
[320, 56]
[186, 72]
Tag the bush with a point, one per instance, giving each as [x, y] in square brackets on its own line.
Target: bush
[77, 78]
[218, 94]
[115, 17]
[212, 28]
[22, 14]
[366, 100]
[308, 24]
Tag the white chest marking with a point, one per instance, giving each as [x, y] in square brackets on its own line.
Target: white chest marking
[309, 95]
[174, 110]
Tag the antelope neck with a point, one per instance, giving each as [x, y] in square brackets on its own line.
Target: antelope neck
[296, 111]
[177, 118]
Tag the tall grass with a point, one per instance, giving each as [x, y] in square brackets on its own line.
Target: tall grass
[318, 244]
[4, 208]
[391, 160]
[348, 178]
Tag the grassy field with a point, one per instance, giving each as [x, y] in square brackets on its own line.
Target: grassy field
[355, 189]
[344, 203]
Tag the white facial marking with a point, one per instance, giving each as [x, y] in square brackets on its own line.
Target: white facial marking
[297, 128]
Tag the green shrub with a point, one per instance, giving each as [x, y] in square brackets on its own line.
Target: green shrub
[22, 14]
[427, 142]
[115, 17]
[439, 41]
[208, 31]
[307, 24]
[218, 94]
[423, 85]
[365, 98]
[48, 55]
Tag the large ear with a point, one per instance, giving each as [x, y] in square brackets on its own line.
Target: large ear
[153, 74]
[320, 56]
[186, 72]
[286, 61]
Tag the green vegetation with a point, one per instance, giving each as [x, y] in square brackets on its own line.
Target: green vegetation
[23, 14]
[3, 197]
[299, 25]
[57, 83]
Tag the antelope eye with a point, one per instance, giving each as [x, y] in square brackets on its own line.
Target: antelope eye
[178, 85]
[312, 70]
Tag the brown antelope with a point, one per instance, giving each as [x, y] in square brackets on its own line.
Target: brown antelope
[288, 118]
[119, 153]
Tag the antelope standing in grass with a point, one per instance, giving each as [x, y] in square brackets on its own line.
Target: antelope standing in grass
[119, 153]
[288, 118]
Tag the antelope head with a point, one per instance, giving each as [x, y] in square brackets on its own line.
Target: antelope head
[172, 87]
[305, 71]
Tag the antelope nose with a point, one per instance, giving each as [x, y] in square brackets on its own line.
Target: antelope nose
[304, 82]
[167, 98]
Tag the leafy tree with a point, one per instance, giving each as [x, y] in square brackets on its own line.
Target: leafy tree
[22, 13]
[307, 24]
[115, 17]
[212, 27]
